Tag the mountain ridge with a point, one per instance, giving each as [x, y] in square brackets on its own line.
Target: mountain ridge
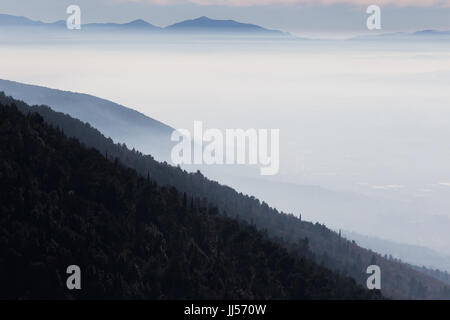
[202, 24]
[207, 24]
[426, 33]
[112, 119]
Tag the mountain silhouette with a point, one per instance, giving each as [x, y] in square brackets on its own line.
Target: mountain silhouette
[9, 20]
[420, 34]
[136, 25]
[205, 24]
[199, 25]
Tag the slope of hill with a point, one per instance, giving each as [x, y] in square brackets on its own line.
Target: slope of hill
[9, 20]
[116, 121]
[416, 255]
[135, 25]
[329, 249]
[443, 276]
[63, 204]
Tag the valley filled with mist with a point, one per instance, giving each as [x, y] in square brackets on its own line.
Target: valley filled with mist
[363, 125]
[364, 122]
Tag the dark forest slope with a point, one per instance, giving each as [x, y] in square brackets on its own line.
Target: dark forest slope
[329, 249]
[64, 204]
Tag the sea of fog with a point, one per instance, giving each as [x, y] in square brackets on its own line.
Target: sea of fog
[365, 119]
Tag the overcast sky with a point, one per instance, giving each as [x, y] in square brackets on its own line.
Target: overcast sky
[296, 16]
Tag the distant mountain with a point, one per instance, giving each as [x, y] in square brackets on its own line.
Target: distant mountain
[205, 24]
[199, 25]
[136, 25]
[417, 255]
[424, 260]
[8, 20]
[431, 33]
[14, 21]
[421, 34]
[139, 23]
[122, 124]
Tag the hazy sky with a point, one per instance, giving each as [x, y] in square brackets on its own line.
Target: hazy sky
[297, 16]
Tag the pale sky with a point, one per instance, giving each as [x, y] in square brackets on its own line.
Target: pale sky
[296, 16]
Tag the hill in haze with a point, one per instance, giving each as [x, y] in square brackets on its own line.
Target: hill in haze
[198, 25]
[205, 24]
[9, 20]
[135, 25]
[122, 124]
[416, 35]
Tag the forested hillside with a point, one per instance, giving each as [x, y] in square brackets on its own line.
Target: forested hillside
[443, 276]
[328, 248]
[64, 204]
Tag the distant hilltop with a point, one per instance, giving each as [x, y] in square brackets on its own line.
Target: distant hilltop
[420, 34]
[199, 25]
